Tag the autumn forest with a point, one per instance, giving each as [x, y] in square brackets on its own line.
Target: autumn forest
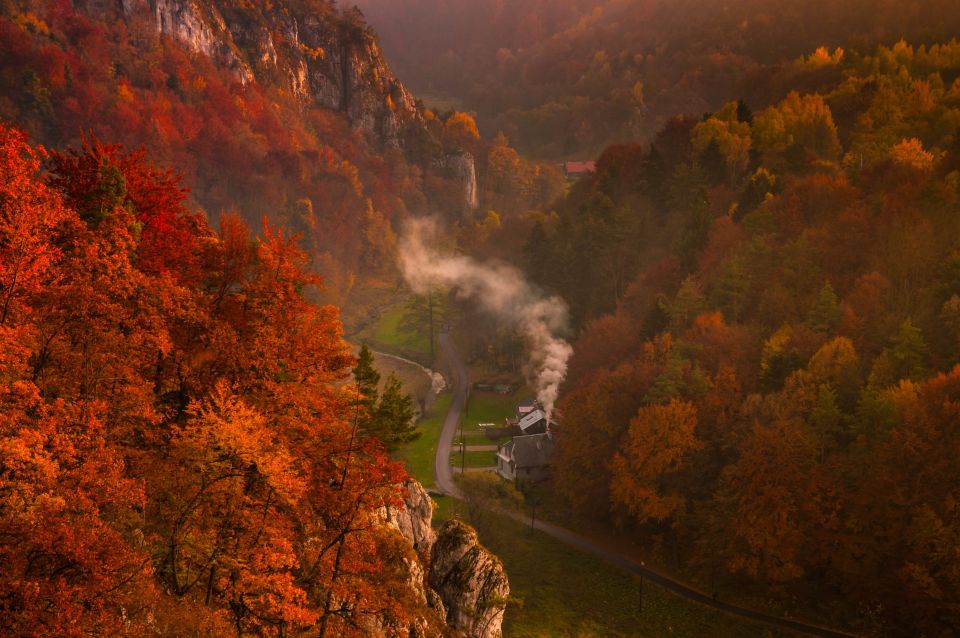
[716, 244]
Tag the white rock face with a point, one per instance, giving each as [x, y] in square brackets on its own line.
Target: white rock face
[465, 168]
[470, 580]
[414, 520]
[332, 61]
[466, 585]
[202, 31]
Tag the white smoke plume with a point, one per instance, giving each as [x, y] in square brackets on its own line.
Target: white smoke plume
[502, 291]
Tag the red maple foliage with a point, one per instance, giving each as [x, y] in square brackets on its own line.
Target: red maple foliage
[176, 443]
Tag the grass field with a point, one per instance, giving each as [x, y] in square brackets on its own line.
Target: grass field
[486, 407]
[474, 459]
[477, 437]
[560, 591]
[385, 335]
[419, 455]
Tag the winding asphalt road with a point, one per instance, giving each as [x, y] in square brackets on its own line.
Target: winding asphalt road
[442, 471]
[443, 476]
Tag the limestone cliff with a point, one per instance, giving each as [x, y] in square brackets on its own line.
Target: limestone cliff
[464, 167]
[414, 520]
[307, 47]
[470, 580]
[466, 584]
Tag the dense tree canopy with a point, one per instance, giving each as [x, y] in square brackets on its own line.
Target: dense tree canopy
[768, 343]
[564, 78]
[176, 436]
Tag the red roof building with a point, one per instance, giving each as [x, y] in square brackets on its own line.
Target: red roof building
[576, 170]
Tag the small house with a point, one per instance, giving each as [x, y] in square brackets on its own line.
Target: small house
[576, 170]
[529, 418]
[526, 458]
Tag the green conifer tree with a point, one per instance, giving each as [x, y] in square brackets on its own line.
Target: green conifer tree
[367, 379]
[909, 352]
[825, 313]
[393, 420]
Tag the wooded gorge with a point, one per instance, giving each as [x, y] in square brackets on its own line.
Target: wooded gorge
[260, 124]
[759, 277]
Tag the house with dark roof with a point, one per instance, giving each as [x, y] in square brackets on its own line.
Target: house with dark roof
[526, 458]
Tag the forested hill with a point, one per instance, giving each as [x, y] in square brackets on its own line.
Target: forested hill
[290, 113]
[563, 78]
[279, 113]
[765, 382]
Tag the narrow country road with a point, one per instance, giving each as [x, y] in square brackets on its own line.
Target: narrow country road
[443, 476]
[442, 472]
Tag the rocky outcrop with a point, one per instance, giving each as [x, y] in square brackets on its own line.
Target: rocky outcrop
[465, 168]
[203, 31]
[466, 584]
[461, 167]
[414, 519]
[470, 580]
[405, 544]
[329, 58]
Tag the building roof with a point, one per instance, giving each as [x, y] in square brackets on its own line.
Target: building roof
[532, 418]
[576, 168]
[526, 407]
[535, 450]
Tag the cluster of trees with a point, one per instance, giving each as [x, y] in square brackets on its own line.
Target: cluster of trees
[179, 446]
[566, 78]
[386, 415]
[766, 376]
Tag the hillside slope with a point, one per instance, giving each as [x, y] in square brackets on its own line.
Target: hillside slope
[291, 114]
[767, 375]
[565, 78]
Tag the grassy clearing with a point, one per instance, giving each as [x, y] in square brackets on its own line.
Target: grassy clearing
[487, 407]
[385, 334]
[477, 437]
[563, 592]
[419, 454]
[474, 459]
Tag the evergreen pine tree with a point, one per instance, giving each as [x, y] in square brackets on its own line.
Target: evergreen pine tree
[909, 352]
[825, 313]
[367, 379]
[393, 420]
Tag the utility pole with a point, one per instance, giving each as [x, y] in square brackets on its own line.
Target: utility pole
[643, 565]
[463, 449]
[433, 358]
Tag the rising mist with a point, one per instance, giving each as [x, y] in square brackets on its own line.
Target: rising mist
[502, 291]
